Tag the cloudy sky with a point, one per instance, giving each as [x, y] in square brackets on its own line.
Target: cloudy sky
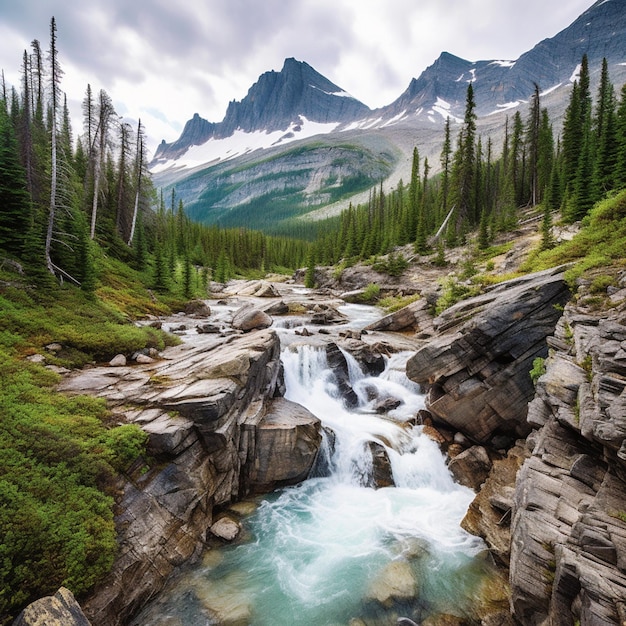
[163, 61]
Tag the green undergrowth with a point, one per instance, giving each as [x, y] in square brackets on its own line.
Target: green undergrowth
[61, 456]
[600, 243]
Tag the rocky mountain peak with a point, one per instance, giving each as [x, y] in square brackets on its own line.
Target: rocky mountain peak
[277, 101]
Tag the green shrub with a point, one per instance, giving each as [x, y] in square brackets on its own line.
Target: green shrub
[371, 293]
[394, 303]
[538, 370]
[453, 292]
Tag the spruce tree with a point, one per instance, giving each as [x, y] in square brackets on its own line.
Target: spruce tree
[15, 207]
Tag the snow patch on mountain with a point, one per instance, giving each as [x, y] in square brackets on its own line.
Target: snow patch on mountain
[240, 143]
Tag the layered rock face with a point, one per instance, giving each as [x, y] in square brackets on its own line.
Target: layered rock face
[476, 369]
[568, 550]
[216, 434]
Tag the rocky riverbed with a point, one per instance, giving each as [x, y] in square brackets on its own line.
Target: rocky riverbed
[547, 463]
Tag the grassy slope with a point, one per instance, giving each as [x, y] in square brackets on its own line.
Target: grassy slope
[60, 456]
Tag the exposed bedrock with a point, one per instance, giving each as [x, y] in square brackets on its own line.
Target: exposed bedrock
[476, 370]
[568, 547]
[217, 434]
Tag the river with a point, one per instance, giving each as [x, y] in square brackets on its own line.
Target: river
[335, 550]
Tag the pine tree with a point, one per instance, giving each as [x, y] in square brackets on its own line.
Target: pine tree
[464, 166]
[533, 130]
[15, 207]
[547, 240]
[605, 135]
[309, 276]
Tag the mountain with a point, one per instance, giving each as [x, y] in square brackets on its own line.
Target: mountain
[299, 145]
[278, 101]
[500, 85]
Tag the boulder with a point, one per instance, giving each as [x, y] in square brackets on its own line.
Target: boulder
[254, 288]
[288, 438]
[395, 583]
[382, 474]
[476, 369]
[61, 609]
[226, 528]
[415, 317]
[471, 467]
[339, 365]
[118, 361]
[250, 318]
[197, 308]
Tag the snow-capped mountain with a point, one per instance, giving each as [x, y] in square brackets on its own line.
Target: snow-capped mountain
[298, 143]
[293, 103]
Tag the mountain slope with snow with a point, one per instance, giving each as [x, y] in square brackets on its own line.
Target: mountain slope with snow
[304, 122]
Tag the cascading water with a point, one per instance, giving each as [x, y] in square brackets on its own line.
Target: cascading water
[333, 549]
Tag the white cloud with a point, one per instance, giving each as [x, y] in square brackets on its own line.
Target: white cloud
[164, 61]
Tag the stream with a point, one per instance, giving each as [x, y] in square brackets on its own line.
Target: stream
[334, 550]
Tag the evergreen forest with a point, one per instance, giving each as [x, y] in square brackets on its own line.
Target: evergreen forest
[87, 245]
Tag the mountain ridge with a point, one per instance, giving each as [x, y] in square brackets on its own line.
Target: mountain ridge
[300, 105]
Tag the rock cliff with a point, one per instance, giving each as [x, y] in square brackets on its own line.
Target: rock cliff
[216, 434]
[476, 368]
[552, 508]
[568, 548]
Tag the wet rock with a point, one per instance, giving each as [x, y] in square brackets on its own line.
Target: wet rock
[226, 528]
[382, 475]
[396, 582]
[287, 441]
[326, 315]
[208, 329]
[61, 609]
[471, 467]
[197, 308]
[277, 308]
[339, 365]
[384, 405]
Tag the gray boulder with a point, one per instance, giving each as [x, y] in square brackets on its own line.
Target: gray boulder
[250, 318]
[61, 609]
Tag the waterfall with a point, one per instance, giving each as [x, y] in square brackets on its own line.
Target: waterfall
[319, 551]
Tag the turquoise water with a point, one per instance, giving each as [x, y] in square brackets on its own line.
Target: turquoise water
[332, 549]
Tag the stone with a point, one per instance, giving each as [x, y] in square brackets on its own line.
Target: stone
[54, 347]
[250, 318]
[476, 369]
[197, 308]
[382, 474]
[396, 582]
[207, 328]
[118, 360]
[471, 467]
[226, 528]
[415, 317]
[143, 359]
[489, 515]
[61, 609]
[288, 437]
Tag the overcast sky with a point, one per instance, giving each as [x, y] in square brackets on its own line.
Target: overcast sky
[162, 61]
